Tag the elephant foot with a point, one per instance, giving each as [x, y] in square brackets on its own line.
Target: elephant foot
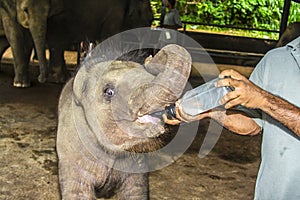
[21, 84]
[42, 78]
[57, 78]
[21, 81]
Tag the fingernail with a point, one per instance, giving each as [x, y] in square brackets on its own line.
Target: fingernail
[222, 101]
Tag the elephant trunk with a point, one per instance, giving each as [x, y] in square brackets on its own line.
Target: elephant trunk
[38, 32]
[171, 67]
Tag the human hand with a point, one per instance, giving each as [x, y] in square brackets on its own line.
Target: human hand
[246, 93]
[181, 116]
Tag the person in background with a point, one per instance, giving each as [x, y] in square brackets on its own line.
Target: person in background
[273, 91]
[171, 18]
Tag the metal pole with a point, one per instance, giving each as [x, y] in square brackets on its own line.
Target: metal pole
[285, 16]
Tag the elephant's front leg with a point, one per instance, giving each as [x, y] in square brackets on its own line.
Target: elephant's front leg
[135, 187]
[21, 46]
[75, 183]
[57, 66]
[21, 62]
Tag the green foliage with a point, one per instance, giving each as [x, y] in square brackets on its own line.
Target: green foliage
[259, 14]
[156, 8]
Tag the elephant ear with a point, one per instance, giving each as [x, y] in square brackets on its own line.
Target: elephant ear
[83, 84]
[22, 13]
[27, 11]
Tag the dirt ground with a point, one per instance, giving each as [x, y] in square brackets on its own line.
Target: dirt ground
[28, 161]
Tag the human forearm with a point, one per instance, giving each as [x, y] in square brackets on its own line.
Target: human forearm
[283, 111]
[251, 96]
[236, 122]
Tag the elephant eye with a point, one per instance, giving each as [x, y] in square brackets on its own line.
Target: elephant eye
[108, 92]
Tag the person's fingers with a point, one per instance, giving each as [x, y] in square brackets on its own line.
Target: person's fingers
[229, 82]
[178, 110]
[229, 97]
[188, 118]
[231, 73]
[232, 103]
[170, 121]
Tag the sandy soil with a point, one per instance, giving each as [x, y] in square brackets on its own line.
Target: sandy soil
[28, 162]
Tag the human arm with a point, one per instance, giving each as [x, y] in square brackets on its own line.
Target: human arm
[235, 121]
[249, 95]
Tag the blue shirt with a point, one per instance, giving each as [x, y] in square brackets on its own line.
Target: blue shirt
[279, 173]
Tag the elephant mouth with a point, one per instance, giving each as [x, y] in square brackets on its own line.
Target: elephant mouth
[148, 119]
[152, 124]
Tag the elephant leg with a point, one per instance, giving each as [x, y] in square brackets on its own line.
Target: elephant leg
[135, 187]
[21, 62]
[75, 184]
[3, 46]
[57, 66]
[21, 46]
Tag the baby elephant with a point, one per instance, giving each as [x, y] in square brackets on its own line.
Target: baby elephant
[105, 126]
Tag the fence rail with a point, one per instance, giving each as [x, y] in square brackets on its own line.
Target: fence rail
[185, 23]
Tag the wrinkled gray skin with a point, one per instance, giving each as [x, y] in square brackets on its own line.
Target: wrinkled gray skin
[115, 96]
[57, 24]
[291, 33]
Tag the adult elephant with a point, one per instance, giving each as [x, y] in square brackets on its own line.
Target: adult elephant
[13, 15]
[92, 20]
[59, 23]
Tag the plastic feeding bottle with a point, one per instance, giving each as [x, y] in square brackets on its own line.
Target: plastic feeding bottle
[200, 99]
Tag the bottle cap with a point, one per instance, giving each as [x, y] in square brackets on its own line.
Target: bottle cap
[170, 111]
